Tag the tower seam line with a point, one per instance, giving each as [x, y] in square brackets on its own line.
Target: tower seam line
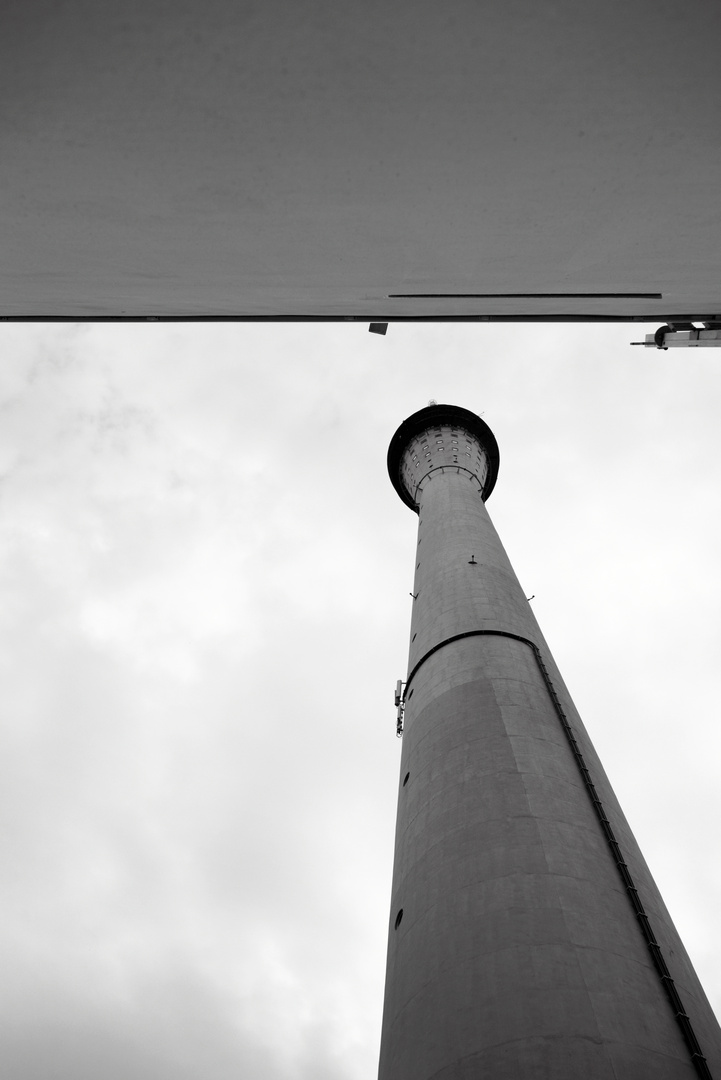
[681, 1016]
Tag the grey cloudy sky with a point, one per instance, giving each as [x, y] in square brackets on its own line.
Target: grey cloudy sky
[205, 578]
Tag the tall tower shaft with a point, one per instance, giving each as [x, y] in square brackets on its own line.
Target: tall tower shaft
[527, 938]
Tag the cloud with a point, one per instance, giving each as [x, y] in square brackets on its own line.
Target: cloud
[204, 584]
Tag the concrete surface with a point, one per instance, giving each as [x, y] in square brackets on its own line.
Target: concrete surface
[278, 159]
[518, 954]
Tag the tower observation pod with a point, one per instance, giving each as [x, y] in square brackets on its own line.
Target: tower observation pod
[527, 938]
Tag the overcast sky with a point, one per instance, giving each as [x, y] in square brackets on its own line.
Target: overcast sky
[205, 578]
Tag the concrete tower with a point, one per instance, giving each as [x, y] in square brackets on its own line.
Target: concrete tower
[527, 938]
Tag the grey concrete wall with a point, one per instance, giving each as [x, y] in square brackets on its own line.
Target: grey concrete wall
[270, 159]
[518, 953]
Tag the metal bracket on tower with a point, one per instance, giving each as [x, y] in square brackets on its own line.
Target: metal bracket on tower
[400, 706]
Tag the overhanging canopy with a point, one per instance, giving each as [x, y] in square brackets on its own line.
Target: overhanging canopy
[509, 159]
